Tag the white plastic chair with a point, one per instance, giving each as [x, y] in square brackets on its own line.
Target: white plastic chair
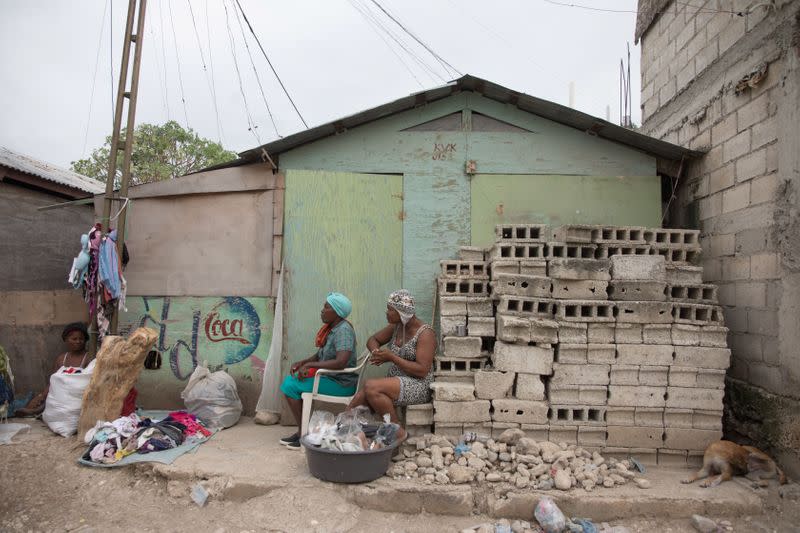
[309, 397]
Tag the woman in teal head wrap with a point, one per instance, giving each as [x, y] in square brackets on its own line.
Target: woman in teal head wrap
[336, 349]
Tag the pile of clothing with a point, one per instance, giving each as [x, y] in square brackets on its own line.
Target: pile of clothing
[98, 271]
[109, 442]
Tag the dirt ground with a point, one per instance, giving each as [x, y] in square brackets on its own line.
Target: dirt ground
[44, 489]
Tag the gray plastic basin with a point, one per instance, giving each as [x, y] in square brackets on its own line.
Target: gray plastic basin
[347, 467]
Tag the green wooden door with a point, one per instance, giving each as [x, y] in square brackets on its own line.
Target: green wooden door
[343, 232]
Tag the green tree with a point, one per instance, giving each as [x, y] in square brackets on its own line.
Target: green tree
[159, 153]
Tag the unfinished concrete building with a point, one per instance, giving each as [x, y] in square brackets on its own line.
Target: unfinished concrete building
[723, 77]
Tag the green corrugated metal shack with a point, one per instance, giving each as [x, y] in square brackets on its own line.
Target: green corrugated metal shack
[374, 201]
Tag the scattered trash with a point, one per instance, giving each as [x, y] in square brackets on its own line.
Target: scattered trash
[550, 516]
[638, 466]
[7, 431]
[586, 525]
[199, 495]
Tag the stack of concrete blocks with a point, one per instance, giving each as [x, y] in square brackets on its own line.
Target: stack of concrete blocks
[604, 337]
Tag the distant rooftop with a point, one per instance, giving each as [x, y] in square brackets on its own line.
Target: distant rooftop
[49, 172]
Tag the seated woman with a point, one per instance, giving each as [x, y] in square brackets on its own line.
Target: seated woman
[336, 349]
[75, 336]
[411, 345]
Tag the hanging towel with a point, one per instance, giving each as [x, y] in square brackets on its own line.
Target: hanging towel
[109, 265]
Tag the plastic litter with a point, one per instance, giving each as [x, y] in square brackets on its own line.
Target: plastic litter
[321, 424]
[63, 405]
[199, 495]
[638, 466]
[550, 516]
[502, 528]
[213, 398]
[386, 434]
[584, 525]
[7, 431]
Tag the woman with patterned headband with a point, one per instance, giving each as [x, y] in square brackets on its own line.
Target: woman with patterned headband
[410, 347]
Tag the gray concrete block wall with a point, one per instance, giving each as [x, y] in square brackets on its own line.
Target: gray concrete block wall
[622, 371]
[743, 193]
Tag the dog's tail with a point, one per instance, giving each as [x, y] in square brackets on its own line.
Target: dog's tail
[781, 476]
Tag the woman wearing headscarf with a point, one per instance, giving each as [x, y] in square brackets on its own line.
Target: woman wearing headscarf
[410, 345]
[336, 349]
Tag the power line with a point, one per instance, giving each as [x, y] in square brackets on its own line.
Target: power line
[94, 78]
[178, 62]
[255, 71]
[158, 69]
[211, 64]
[605, 10]
[439, 58]
[205, 71]
[164, 59]
[251, 126]
[286, 92]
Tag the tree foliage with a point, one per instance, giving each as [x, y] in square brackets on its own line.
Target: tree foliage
[160, 152]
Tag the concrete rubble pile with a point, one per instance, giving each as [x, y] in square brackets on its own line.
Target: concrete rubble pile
[512, 459]
[603, 337]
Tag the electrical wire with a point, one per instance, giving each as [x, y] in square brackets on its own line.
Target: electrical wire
[250, 125]
[111, 57]
[94, 77]
[439, 58]
[158, 66]
[205, 70]
[211, 64]
[255, 71]
[285, 91]
[677, 2]
[178, 62]
[164, 59]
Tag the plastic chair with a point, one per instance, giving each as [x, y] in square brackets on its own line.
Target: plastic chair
[309, 397]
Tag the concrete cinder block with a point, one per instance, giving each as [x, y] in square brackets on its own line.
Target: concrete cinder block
[580, 374]
[577, 394]
[694, 398]
[471, 253]
[704, 378]
[461, 412]
[451, 367]
[517, 250]
[569, 289]
[602, 333]
[619, 234]
[707, 420]
[695, 293]
[573, 332]
[678, 418]
[481, 326]
[608, 250]
[513, 329]
[636, 396]
[714, 336]
[544, 331]
[685, 335]
[672, 236]
[624, 374]
[581, 415]
[480, 307]
[628, 334]
[657, 334]
[684, 274]
[533, 267]
[539, 432]
[449, 324]
[519, 411]
[504, 266]
[526, 306]
[573, 354]
[601, 353]
[697, 314]
[453, 392]
[462, 347]
[572, 233]
[521, 232]
[453, 306]
[585, 311]
[464, 269]
[637, 290]
[655, 376]
[449, 430]
[525, 359]
[419, 415]
[690, 439]
[591, 436]
[644, 312]
[702, 357]
[649, 417]
[638, 267]
[579, 269]
[491, 385]
[645, 354]
[621, 416]
[521, 285]
[415, 430]
[634, 437]
[463, 287]
[529, 387]
[566, 434]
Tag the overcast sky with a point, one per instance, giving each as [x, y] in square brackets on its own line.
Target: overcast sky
[332, 55]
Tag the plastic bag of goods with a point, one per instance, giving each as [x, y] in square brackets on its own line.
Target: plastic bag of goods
[213, 398]
[62, 409]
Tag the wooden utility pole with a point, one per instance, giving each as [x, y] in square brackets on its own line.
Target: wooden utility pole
[129, 94]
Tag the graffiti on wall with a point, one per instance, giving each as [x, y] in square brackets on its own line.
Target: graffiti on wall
[231, 332]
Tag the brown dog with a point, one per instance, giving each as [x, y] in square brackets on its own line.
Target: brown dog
[729, 459]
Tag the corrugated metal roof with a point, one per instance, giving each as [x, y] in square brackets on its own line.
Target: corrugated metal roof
[550, 110]
[49, 172]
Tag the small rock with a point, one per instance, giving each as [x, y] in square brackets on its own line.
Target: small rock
[505, 457]
[519, 526]
[408, 466]
[437, 459]
[424, 461]
[441, 478]
[481, 477]
[642, 483]
[547, 484]
[485, 528]
[492, 456]
[511, 436]
[703, 524]
[479, 450]
[476, 463]
[588, 484]
[619, 480]
[447, 450]
[462, 461]
[608, 483]
[548, 451]
[522, 482]
[538, 470]
[526, 446]
[460, 474]
[562, 480]
[493, 477]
